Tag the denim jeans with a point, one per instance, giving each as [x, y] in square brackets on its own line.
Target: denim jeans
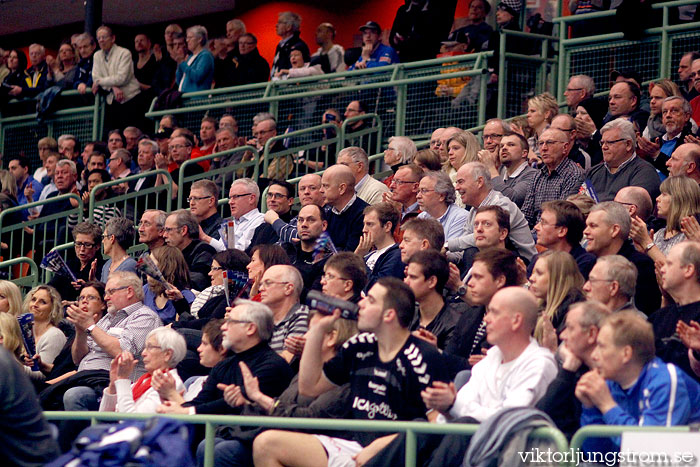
[227, 453]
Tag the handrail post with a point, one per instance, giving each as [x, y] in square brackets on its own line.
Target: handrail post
[482, 98]
[501, 101]
[665, 61]
[274, 104]
[209, 444]
[542, 81]
[562, 60]
[411, 449]
[401, 98]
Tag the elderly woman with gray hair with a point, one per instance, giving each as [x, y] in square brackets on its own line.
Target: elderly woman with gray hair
[164, 349]
[196, 72]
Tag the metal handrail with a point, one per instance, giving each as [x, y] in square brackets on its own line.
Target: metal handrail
[212, 421]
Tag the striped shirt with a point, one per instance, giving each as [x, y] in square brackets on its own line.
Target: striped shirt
[296, 323]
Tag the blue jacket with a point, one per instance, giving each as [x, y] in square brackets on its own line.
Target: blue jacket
[199, 75]
[663, 395]
[383, 55]
[388, 264]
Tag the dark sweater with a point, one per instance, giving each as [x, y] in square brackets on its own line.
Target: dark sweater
[668, 347]
[271, 370]
[560, 402]
[647, 296]
[199, 256]
[388, 264]
[345, 228]
[637, 172]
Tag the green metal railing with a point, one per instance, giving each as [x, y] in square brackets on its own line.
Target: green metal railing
[222, 176]
[132, 203]
[16, 273]
[20, 134]
[36, 237]
[611, 431]
[392, 92]
[212, 421]
[523, 76]
[596, 56]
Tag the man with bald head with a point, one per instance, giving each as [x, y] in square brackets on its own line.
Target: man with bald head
[435, 139]
[558, 178]
[309, 188]
[445, 136]
[515, 373]
[567, 124]
[309, 225]
[637, 201]
[344, 210]
[685, 160]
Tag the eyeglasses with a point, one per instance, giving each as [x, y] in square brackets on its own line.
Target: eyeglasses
[402, 182]
[170, 229]
[79, 245]
[217, 268]
[88, 298]
[424, 191]
[237, 321]
[115, 290]
[329, 277]
[573, 89]
[550, 143]
[493, 136]
[600, 280]
[114, 159]
[352, 110]
[198, 198]
[106, 235]
[276, 196]
[151, 347]
[608, 143]
[269, 282]
[239, 196]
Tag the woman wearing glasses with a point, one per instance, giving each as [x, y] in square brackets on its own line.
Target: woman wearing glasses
[164, 349]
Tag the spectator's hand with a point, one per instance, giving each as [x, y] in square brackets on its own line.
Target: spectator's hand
[118, 94]
[522, 269]
[367, 52]
[593, 386]
[92, 275]
[250, 383]
[440, 396]
[29, 192]
[29, 361]
[515, 128]
[173, 293]
[692, 139]
[490, 160]
[157, 52]
[455, 281]
[366, 242]
[82, 87]
[691, 228]
[427, 336]
[639, 233]
[81, 319]
[125, 365]
[584, 128]
[51, 61]
[95, 86]
[476, 358]
[388, 197]
[549, 335]
[271, 216]
[15, 91]
[646, 148]
[232, 394]
[689, 334]
[77, 285]
[203, 237]
[294, 345]
[164, 383]
[570, 361]
[172, 408]
[161, 161]
[85, 196]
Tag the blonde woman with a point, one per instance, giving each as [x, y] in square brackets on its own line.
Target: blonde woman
[557, 283]
[679, 198]
[10, 298]
[541, 109]
[44, 303]
[11, 336]
[461, 148]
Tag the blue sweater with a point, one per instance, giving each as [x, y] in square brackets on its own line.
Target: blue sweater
[199, 75]
[663, 395]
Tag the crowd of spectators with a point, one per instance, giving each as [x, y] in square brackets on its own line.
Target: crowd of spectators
[549, 265]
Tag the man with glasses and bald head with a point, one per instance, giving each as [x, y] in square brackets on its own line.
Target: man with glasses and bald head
[621, 167]
[558, 178]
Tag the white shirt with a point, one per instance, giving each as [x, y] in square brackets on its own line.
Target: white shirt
[123, 400]
[495, 385]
